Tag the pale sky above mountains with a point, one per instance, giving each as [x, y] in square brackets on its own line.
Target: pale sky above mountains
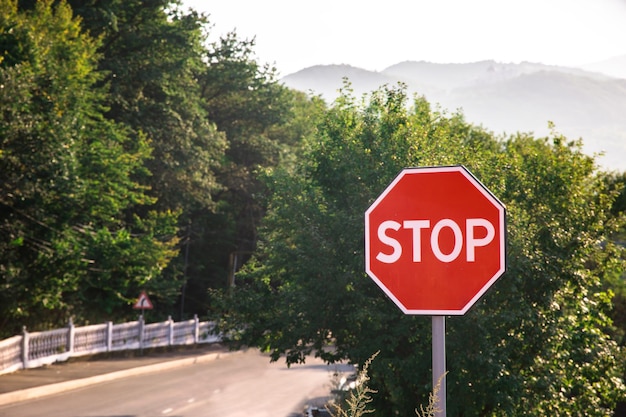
[293, 35]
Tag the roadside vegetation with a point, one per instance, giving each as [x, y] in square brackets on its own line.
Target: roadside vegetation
[137, 155]
[130, 155]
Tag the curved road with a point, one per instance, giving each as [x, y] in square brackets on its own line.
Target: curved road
[240, 384]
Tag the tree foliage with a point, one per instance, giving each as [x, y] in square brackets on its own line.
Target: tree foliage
[68, 179]
[131, 151]
[152, 55]
[536, 344]
[215, 119]
[264, 123]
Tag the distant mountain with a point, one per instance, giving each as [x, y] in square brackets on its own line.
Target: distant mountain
[615, 67]
[328, 79]
[504, 98]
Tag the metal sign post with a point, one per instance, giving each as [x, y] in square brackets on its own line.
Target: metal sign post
[439, 363]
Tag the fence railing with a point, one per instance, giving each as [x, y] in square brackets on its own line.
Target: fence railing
[32, 350]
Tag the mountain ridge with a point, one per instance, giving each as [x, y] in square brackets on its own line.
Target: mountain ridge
[502, 97]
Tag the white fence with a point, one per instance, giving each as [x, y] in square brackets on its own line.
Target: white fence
[31, 350]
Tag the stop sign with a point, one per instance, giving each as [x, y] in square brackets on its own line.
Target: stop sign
[435, 240]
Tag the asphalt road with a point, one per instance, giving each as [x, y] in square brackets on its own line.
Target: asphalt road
[242, 384]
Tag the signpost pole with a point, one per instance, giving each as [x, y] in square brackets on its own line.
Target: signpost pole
[439, 363]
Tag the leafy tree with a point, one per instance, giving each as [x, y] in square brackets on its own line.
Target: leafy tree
[68, 178]
[153, 55]
[536, 344]
[264, 123]
[215, 119]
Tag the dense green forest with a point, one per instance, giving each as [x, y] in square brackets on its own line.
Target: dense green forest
[130, 155]
[137, 155]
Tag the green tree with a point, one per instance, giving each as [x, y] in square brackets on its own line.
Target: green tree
[536, 344]
[215, 119]
[264, 123]
[68, 178]
[153, 55]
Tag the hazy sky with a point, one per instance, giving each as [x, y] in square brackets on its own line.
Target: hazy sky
[374, 35]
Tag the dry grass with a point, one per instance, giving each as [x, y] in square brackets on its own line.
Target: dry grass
[433, 400]
[358, 399]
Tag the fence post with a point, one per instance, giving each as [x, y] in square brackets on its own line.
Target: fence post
[71, 334]
[170, 334]
[25, 342]
[196, 332]
[109, 336]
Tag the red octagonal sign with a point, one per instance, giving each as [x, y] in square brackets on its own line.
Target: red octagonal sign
[435, 240]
